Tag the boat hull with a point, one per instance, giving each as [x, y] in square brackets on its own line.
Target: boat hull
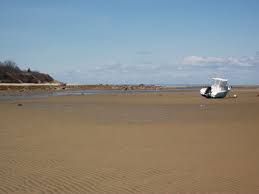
[209, 93]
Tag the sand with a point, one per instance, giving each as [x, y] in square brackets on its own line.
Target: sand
[131, 143]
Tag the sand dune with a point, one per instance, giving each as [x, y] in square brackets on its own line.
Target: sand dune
[130, 143]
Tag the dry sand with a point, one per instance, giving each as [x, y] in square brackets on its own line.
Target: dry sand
[131, 143]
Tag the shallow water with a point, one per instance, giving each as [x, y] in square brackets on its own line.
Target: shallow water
[32, 95]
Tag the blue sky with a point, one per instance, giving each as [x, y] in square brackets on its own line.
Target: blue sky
[133, 41]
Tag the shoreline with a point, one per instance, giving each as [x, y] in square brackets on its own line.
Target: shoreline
[31, 91]
[60, 86]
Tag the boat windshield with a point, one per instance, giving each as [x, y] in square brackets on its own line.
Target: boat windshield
[223, 84]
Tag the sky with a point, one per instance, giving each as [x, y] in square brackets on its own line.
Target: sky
[133, 41]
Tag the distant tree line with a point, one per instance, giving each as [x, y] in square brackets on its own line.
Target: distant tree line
[11, 73]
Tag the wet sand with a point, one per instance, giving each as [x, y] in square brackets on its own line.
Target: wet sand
[131, 143]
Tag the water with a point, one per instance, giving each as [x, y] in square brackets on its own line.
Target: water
[32, 95]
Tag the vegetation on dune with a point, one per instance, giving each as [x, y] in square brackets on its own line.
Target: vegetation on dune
[11, 73]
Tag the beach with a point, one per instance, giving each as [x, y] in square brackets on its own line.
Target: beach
[148, 143]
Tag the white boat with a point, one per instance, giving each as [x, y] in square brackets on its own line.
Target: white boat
[219, 89]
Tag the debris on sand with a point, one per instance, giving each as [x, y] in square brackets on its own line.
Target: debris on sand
[203, 106]
[19, 104]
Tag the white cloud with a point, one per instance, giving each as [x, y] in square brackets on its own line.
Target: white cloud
[191, 70]
[220, 61]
